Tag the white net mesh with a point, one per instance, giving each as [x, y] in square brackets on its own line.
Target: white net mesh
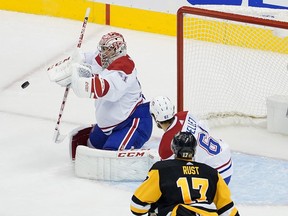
[230, 68]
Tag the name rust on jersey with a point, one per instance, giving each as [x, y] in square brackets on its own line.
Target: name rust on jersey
[190, 170]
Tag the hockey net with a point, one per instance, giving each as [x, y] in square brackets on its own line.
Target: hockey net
[228, 64]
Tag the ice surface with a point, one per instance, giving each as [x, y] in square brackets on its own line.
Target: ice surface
[37, 177]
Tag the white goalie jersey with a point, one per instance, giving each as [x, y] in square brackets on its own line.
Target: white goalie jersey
[116, 89]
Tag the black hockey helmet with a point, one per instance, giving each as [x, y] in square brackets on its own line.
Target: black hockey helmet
[183, 145]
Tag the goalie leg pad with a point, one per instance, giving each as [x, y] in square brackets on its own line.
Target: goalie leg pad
[79, 136]
[126, 165]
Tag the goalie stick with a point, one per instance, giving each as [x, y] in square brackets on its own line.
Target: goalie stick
[58, 138]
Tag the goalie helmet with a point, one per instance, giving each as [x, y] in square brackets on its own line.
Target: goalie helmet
[162, 108]
[111, 47]
[183, 145]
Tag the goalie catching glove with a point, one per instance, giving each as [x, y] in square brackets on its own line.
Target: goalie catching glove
[83, 82]
[61, 72]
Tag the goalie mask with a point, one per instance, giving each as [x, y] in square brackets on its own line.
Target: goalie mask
[162, 108]
[111, 47]
[183, 145]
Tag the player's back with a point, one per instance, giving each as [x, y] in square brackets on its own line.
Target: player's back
[186, 182]
[210, 150]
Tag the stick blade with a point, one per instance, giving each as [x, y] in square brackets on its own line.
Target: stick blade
[58, 138]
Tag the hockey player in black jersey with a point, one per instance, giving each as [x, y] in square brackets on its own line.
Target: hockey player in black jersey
[182, 187]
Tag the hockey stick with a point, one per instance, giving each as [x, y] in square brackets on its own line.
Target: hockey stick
[58, 138]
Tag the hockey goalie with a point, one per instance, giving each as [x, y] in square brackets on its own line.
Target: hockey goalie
[108, 76]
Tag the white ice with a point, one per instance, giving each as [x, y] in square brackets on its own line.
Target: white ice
[37, 177]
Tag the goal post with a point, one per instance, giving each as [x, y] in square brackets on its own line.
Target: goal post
[229, 63]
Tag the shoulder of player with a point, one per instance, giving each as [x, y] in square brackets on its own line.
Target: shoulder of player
[171, 162]
[160, 165]
[124, 63]
[174, 128]
[181, 113]
[163, 164]
[206, 169]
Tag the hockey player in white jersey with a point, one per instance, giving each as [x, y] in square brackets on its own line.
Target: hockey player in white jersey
[108, 76]
[209, 150]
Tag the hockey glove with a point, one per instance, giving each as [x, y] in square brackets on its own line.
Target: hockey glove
[82, 80]
[61, 72]
[87, 85]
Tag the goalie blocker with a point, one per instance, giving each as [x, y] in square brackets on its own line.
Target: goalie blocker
[98, 164]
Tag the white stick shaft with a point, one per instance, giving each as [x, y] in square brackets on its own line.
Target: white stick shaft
[57, 132]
